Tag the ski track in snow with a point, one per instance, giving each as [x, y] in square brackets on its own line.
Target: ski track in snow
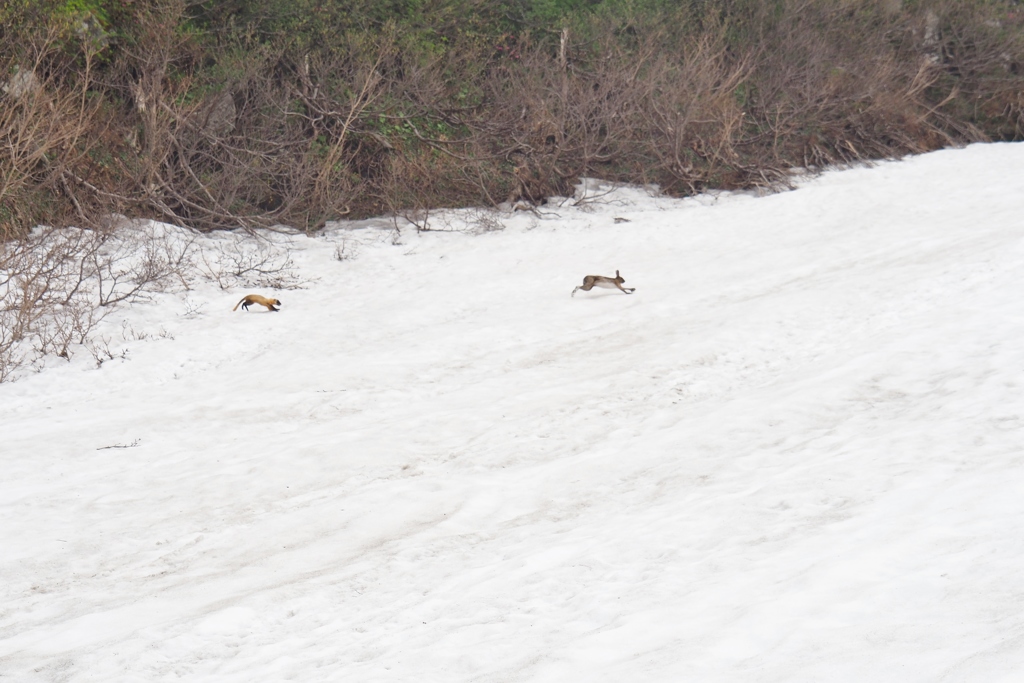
[794, 454]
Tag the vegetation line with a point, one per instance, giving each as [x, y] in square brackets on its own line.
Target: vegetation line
[253, 113]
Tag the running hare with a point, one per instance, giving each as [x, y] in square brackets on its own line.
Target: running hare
[591, 281]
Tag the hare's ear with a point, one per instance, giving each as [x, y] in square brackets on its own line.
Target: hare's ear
[617, 273]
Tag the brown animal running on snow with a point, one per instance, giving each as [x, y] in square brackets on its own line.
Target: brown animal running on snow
[250, 299]
[591, 281]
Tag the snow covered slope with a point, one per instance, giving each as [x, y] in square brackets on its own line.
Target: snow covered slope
[796, 453]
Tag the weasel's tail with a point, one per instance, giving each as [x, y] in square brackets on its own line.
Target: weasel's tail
[238, 304]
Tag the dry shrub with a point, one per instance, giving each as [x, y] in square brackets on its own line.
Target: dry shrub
[48, 120]
[631, 112]
[238, 129]
[696, 121]
[838, 82]
[702, 98]
[259, 142]
[980, 52]
[253, 263]
[57, 285]
[826, 96]
[226, 153]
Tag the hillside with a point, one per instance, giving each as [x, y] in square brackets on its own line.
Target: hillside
[793, 454]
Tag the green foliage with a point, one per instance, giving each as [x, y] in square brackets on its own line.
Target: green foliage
[25, 16]
[75, 25]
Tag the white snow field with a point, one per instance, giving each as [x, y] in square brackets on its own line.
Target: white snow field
[796, 453]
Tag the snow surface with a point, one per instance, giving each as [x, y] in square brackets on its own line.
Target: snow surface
[796, 453]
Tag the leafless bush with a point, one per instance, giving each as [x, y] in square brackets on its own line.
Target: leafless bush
[45, 295]
[417, 218]
[129, 333]
[192, 307]
[101, 351]
[65, 325]
[483, 221]
[47, 118]
[982, 62]
[270, 140]
[345, 251]
[835, 85]
[134, 262]
[591, 192]
[249, 263]
[57, 285]
[10, 358]
[470, 221]
[696, 121]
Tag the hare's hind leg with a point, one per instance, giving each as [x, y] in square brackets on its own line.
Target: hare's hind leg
[586, 287]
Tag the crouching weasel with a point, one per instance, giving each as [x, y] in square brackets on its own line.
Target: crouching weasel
[250, 299]
[591, 281]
